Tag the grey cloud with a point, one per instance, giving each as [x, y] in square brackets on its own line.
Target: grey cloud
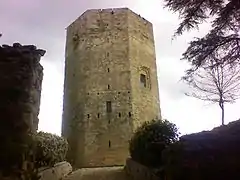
[43, 23]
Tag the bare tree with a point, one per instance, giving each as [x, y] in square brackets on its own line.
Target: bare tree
[218, 84]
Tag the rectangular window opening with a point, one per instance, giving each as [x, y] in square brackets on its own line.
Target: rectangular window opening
[108, 86]
[129, 114]
[98, 115]
[108, 69]
[143, 80]
[88, 116]
[119, 114]
[109, 106]
[109, 144]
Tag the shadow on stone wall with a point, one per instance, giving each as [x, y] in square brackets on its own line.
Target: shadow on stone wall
[20, 88]
[206, 155]
[138, 171]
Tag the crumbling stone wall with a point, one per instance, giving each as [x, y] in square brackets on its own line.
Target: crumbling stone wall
[20, 88]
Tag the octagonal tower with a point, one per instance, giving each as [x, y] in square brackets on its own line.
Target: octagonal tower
[110, 85]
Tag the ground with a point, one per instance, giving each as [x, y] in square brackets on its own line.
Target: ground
[103, 173]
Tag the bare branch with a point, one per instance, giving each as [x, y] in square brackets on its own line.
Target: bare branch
[217, 82]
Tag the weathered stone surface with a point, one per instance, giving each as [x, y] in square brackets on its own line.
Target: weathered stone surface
[101, 173]
[58, 172]
[211, 154]
[138, 171]
[21, 78]
[106, 53]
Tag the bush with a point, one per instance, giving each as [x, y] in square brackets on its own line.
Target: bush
[150, 140]
[50, 149]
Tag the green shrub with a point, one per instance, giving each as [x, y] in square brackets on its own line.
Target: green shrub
[150, 140]
[50, 149]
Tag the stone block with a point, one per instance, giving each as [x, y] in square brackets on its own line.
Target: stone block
[58, 172]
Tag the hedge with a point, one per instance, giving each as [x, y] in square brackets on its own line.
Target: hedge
[50, 148]
[150, 140]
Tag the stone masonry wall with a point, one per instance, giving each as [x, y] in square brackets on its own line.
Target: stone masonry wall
[101, 67]
[138, 171]
[20, 88]
[142, 57]
[21, 77]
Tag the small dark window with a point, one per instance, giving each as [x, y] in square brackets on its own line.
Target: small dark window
[130, 114]
[108, 86]
[109, 106]
[88, 115]
[87, 93]
[108, 69]
[128, 91]
[107, 54]
[143, 80]
[98, 115]
[109, 144]
[119, 92]
[97, 93]
[119, 114]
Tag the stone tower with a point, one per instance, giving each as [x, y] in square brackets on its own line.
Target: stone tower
[110, 85]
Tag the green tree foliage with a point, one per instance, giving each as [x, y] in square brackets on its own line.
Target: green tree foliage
[150, 140]
[224, 35]
[50, 149]
[218, 84]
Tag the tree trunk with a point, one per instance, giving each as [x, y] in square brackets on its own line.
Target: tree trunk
[222, 108]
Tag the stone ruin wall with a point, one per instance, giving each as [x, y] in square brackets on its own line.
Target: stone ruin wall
[21, 77]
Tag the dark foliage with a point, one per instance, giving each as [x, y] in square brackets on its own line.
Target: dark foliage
[222, 39]
[150, 140]
[206, 155]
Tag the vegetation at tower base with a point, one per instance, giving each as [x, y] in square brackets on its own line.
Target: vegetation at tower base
[21, 77]
[150, 140]
[51, 148]
[206, 155]
[224, 35]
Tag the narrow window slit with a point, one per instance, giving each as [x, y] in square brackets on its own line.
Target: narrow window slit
[143, 80]
[109, 106]
[129, 114]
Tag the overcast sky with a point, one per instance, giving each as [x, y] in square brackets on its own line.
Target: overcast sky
[43, 23]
